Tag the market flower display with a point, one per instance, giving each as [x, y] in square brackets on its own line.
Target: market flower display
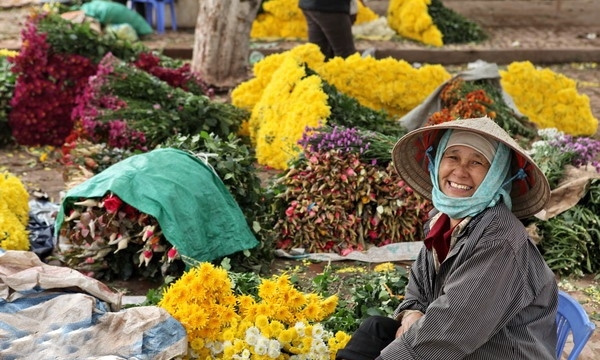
[411, 19]
[280, 322]
[96, 232]
[47, 85]
[284, 98]
[14, 213]
[549, 99]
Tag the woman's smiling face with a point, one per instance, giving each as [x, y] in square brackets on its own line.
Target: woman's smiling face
[461, 171]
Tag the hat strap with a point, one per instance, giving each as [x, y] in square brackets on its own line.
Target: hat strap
[428, 153]
[520, 175]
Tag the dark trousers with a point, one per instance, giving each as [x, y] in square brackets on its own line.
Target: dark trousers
[332, 32]
[373, 335]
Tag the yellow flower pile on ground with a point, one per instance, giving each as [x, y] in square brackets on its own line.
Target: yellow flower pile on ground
[280, 322]
[247, 94]
[284, 19]
[283, 101]
[290, 102]
[550, 100]
[411, 19]
[393, 85]
[14, 213]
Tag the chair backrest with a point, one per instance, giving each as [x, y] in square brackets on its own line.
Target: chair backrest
[572, 318]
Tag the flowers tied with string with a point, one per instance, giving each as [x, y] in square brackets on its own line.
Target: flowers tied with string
[105, 236]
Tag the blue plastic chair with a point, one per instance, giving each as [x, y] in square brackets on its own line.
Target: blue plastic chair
[572, 318]
[157, 6]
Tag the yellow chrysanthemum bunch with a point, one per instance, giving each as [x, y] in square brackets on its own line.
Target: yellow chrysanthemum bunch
[550, 100]
[394, 85]
[280, 19]
[284, 19]
[248, 93]
[14, 213]
[290, 102]
[411, 19]
[283, 101]
[203, 301]
[282, 320]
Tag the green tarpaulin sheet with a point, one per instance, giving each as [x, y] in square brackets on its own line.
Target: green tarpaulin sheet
[196, 212]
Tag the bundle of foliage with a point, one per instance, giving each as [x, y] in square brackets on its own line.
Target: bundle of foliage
[549, 99]
[362, 293]
[234, 162]
[571, 240]
[462, 99]
[106, 238]
[332, 200]
[430, 22]
[14, 213]
[129, 108]
[7, 85]
[280, 322]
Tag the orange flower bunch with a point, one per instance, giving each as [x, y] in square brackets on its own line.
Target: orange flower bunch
[460, 102]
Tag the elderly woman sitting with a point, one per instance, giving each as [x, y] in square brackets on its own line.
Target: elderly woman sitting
[479, 288]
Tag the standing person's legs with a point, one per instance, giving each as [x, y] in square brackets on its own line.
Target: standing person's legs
[316, 34]
[373, 335]
[338, 30]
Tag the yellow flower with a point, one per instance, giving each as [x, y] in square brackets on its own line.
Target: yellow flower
[8, 53]
[411, 19]
[15, 196]
[384, 267]
[548, 99]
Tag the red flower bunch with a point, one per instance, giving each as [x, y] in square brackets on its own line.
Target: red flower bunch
[181, 77]
[45, 91]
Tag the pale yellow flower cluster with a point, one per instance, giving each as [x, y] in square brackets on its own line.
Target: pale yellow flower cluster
[549, 99]
[280, 322]
[14, 213]
[284, 19]
[8, 53]
[411, 19]
[283, 101]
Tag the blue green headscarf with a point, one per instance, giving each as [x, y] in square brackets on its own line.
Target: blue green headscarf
[495, 186]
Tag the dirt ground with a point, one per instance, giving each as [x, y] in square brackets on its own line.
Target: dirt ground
[513, 25]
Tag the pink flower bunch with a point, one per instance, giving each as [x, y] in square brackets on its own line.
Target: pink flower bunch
[95, 230]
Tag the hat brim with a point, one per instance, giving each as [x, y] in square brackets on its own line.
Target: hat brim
[529, 196]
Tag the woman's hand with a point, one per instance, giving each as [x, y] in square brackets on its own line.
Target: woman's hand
[407, 322]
